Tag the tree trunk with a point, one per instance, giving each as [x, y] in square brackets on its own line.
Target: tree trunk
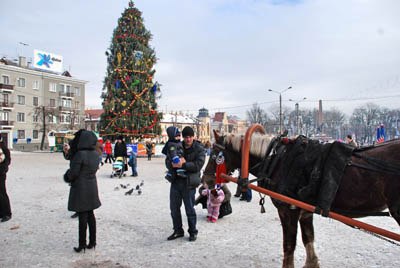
[44, 129]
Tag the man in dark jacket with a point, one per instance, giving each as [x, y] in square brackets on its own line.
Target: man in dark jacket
[184, 189]
[5, 208]
[120, 150]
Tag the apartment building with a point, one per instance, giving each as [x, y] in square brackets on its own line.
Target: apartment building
[25, 90]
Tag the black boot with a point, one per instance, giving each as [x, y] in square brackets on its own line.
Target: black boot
[79, 249]
[91, 245]
[92, 230]
[83, 221]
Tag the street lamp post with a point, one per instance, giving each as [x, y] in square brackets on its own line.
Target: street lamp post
[297, 113]
[280, 105]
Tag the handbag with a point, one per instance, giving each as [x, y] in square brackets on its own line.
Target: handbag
[67, 179]
[225, 209]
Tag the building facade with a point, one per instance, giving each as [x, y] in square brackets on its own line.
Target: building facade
[92, 119]
[29, 98]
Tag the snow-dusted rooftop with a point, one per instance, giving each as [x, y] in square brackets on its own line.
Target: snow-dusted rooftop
[178, 118]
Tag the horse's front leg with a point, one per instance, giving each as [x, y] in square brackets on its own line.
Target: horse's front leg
[289, 219]
[307, 234]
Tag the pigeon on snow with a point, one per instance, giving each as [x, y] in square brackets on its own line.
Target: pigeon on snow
[129, 192]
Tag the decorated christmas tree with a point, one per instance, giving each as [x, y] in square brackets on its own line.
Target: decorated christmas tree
[129, 92]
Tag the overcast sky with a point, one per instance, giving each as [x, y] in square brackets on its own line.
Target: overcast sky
[222, 54]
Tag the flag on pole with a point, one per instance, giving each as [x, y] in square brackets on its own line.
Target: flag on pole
[383, 134]
[378, 134]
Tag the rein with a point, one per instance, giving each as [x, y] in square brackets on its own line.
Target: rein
[376, 165]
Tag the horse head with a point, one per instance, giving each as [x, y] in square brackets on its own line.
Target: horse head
[229, 148]
[222, 153]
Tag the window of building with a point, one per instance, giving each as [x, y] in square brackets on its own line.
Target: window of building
[77, 105]
[21, 82]
[6, 80]
[4, 116]
[35, 101]
[4, 99]
[68, 89]
[21, 134]
[62, 88]
[53, 103]
[53, 87]
[35, 134]
[66, 103]
[35, 118]
[21, 99]
[65, 118]
[20, 117]
[52, 119]
[77, 91]
[35, 84]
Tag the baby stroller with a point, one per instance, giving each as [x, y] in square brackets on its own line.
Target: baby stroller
[118, 167]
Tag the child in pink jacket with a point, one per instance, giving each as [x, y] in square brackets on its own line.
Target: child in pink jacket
[214, 201]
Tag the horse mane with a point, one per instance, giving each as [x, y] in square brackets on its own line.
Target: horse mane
[258, 144]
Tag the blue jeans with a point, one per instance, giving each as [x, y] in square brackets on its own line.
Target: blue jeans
[179, 192]
[134, 172]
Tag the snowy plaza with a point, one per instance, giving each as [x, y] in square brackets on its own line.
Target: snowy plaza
[132, 229]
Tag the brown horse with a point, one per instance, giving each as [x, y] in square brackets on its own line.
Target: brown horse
[361, 190]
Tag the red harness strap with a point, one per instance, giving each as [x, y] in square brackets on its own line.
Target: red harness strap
[221, 168]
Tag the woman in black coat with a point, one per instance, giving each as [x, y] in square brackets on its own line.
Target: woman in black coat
[5, 208]
[83, 195]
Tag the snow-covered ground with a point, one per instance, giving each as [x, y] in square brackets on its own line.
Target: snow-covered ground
[132, 229]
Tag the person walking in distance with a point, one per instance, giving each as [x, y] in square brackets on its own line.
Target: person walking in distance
[99, 149]
[83, 195]
[5, 160]
[184, 189]
[108, 151]
[149, 150]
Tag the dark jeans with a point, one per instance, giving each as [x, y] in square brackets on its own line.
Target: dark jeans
[5, 208]
[109, 158]
[87, 218]
[134, 171]
[178, 193]
[149, 157]
[247, 195]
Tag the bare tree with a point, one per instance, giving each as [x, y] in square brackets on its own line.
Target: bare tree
[273, 123]
[256, 115]
[76, 120]
[363, 122]
[45, 117]
[334, 119]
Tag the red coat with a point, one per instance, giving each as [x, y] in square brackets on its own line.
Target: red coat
[108, 148]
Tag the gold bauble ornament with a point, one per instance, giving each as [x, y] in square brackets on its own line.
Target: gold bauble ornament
[123, 103]
[119, 57]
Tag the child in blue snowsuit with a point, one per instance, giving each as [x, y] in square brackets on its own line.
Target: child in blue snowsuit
[133, 163]
[173, 149]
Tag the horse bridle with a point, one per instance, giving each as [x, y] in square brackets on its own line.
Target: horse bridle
[221, 153]
[222, 148]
